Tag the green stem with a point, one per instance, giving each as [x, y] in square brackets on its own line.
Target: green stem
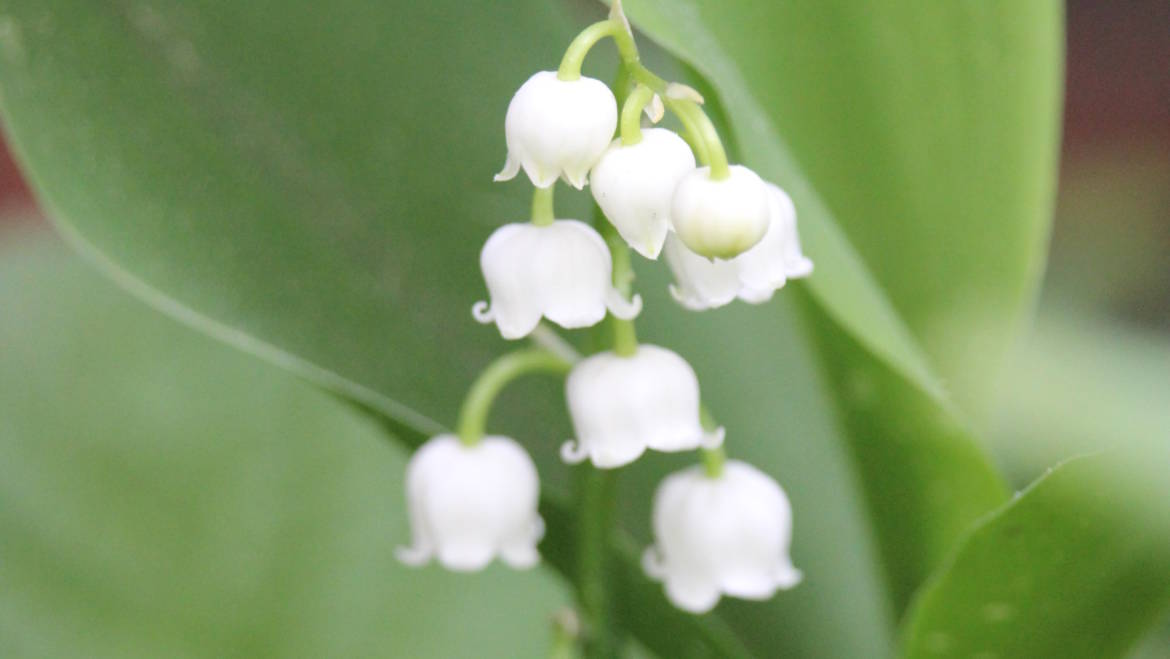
[566, 630]
[631, 124]
[628, 51]
[694, 135]
[570, 68]
[622, 37]
[625, 337]
[704, 139]
[712, 458]
[478, 403]
[598, 489]
[542, 206]
[546, 337]
[640, 74]
[621, 86]
[702, 130]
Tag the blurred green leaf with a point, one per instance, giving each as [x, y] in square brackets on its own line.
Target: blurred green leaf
[164, 496]
[1077, 566]
[1080, 383]
[928, 132]
[926, 479]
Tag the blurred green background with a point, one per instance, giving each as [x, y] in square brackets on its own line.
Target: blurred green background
[165, 495]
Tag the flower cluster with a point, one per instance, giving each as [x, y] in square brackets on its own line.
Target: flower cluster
[720, 528]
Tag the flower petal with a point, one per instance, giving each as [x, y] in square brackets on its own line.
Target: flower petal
[573, 266]
[634, 184]
[513, 288]
[467, 503]
[519, 551]
[700, 283]
[693, 595]
[730, 533]
[510, 170]
[557, 127]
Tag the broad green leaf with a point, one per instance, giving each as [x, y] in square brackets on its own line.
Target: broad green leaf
[162, 495]
[326, 219]
[142, 377]
[311, 183]
[923, 476]
[919, 140]
[1076, 566]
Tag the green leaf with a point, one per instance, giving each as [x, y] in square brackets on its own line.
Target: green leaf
[919, 141]
[923, 476]
[312, 183]
[1077, 566]
[164, 496]
[1080, 384]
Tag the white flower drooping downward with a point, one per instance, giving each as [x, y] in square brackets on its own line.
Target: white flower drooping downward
[622, 405]
[720, 218]
[722, 535]
[469, 504]
[796, 264]
[753, 276]
[561, 271]
[558, 128]
[634, 184]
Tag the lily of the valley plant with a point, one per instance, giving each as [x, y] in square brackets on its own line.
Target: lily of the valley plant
[721, 528]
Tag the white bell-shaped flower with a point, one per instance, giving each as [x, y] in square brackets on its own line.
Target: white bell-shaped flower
[753, 276]
[623, 405]
[470, 504]
[727, 535]
[720, 218]
[796, 264]
[634, 184]
[562, 271]
[558, 128]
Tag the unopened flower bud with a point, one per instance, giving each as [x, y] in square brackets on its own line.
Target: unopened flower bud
[753, 276]
[720, 218]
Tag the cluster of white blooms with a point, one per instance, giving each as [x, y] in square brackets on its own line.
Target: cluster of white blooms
[720, 529]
